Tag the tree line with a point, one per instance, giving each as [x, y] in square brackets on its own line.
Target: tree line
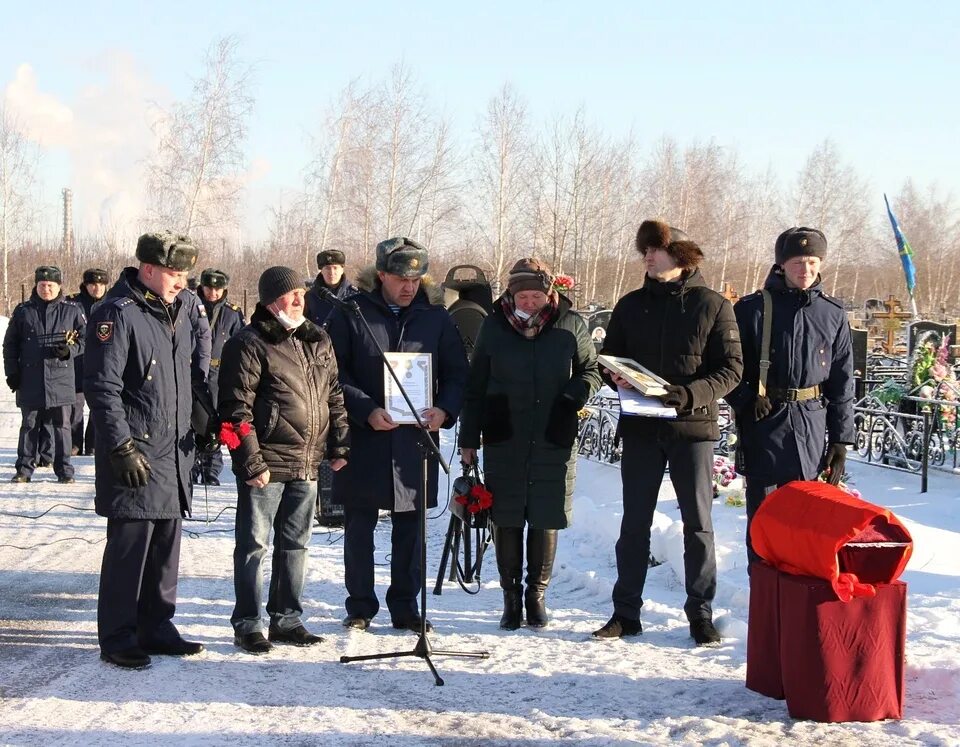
[384, 160]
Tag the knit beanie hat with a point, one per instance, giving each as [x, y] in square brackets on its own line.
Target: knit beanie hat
[529, 273]
[800, 242]
[276, 281]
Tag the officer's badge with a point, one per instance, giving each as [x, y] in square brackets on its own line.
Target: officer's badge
[804, 242]
[105, 331]
[414, 263]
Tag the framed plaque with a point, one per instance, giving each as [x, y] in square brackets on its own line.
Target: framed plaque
[415, 371]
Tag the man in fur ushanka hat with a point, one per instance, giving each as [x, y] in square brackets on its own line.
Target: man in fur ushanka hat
[384, 472]
[679, 329]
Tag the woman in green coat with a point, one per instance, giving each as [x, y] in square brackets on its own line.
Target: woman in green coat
[533, 369]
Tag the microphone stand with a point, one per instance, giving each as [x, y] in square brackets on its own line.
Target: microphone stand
[422, 649]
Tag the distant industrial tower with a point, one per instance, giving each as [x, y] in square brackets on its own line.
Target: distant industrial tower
[67, 223]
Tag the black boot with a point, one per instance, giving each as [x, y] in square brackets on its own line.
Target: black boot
[541, 550]
[508, 542]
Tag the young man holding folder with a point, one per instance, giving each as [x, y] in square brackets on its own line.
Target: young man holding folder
[682, 331]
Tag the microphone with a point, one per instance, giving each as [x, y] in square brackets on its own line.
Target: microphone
[327, 295]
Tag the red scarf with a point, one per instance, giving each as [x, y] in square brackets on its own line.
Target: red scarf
[530, 328]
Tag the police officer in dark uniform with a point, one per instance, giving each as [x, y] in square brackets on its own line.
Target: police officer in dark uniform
[139, 382]
[225, 320]
[331, 277]
[44, 334]
[803, 421]
[92, 288]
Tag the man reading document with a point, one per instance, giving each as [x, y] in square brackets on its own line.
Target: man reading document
[687, 334]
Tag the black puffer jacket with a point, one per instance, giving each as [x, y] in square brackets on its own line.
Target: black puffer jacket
[286, 385]
[687, 334]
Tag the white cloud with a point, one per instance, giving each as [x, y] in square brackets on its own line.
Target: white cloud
[104, 129]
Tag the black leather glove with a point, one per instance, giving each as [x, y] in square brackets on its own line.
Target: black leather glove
[13, 381]
[130, 465]
[677, 397]
[761, 407]
[209, 443]
[60, 352]
[836, 461]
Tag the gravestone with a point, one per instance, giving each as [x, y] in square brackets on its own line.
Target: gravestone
[933, 332]
[597, 325]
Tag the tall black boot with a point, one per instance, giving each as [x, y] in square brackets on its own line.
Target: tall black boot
[508, 542]
[541, 551]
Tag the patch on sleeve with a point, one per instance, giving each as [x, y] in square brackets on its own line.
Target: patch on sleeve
[105, 331]
[203, 310]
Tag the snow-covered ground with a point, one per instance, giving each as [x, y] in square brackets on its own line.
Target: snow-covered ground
[537, 687]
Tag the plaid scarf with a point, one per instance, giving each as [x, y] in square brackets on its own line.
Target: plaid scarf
[530, 328]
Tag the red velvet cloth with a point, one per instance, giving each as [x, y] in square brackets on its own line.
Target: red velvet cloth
[763, 632]
[802, 527]
[841, 661]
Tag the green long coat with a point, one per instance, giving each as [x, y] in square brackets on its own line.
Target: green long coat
[521, 403]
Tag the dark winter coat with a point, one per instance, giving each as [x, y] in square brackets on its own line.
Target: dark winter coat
[137, 382]
[319, 309]
[285, 384]
[225, 320]
[687, 334]
[810, 345]
[521, 403]
[385, 467]
[34, 329]
[86, 302]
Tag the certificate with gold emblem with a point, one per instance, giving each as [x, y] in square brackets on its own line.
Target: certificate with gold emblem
[415, 371]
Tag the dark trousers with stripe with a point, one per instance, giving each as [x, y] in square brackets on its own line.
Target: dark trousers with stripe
[138, 583]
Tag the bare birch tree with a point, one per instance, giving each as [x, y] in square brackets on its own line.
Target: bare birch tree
[18, 164]
[195, 177]
[501, 163]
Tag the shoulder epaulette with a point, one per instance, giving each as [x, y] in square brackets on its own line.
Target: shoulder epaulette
[234, 307]
[835, 301]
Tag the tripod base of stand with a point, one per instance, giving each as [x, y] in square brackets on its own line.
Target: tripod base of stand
[423, 650]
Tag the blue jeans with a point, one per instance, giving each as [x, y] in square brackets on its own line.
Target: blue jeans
[289, 507]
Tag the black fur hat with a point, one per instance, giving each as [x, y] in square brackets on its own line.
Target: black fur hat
[655, 234]
[214, 278]
[95, 275]
[49, 273]
[685, 253]
[330, 257]
[800, 241]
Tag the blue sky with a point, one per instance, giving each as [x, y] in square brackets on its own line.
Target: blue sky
[877, 78]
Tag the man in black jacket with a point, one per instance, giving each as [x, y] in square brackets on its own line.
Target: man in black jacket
[282, 408]
[686, 333]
